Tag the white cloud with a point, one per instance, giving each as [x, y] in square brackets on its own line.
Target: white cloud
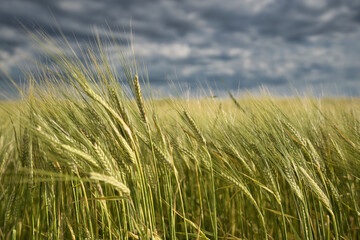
[315, 4]
[332, 14]
[189, 70]
[72, 6]
[172, 51]
[15, 59]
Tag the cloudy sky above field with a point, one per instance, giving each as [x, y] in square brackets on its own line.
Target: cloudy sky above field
[283, 45]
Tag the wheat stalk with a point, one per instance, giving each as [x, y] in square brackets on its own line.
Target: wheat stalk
[123, 189]
[140, 99]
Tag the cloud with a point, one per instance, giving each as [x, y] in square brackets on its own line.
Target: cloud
[280, 44]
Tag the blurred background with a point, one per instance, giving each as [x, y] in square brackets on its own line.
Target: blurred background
[286, 46]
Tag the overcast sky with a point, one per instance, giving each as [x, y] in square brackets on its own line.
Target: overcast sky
[279, 44]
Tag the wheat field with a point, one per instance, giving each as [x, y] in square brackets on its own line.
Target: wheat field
[88, 153]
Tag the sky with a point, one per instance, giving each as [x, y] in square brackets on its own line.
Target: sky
[286, 46]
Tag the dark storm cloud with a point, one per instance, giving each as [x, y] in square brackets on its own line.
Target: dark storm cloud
[289, 19]
[276, 43]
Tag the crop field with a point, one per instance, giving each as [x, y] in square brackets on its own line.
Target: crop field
[89, 154]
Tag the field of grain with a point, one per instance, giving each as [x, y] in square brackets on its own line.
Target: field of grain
[83, 157]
